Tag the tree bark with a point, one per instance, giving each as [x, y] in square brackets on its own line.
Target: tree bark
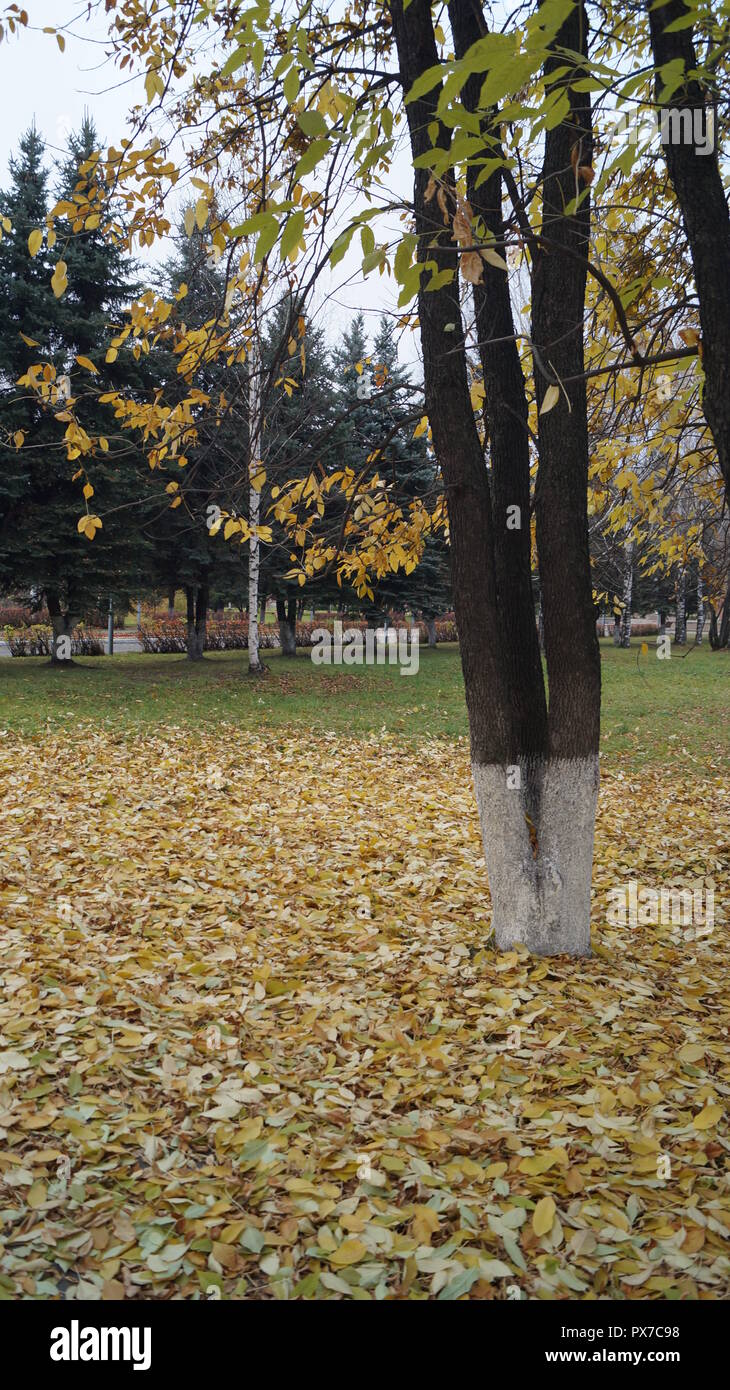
[720, 634]
[698, 185]
[627, 589]
[535, 780]
[197, 617]
[286, 612]
[62, 629]
[680, 624]
[431, 631]
[255, 666]
[700, 611]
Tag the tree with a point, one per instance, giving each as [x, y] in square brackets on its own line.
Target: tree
[377, 402]
[40, 544]
[697, 181]
[501, 142]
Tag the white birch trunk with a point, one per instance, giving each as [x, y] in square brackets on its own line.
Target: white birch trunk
[254, 508]
[541, 897]
[680, 626]
[626, 597]
[700, 610]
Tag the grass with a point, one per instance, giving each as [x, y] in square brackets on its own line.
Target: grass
[674, 711]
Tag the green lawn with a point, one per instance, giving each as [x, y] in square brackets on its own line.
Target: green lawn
[671, 711]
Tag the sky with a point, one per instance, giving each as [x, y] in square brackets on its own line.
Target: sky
[55, 89]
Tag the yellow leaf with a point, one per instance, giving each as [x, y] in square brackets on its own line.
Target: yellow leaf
[708, 1117]
[88, 491]
[37, 1195]
[112, 355]
[551, 398]
[189, 221]
[201, 213]
[691, 1052]
[87, 364]
[495, 259]
[348, 1253]
[59, 279]
[421, 427]
[30, 342]
[543, 1216]
[176, 503]
[18, 439]
[35, 241]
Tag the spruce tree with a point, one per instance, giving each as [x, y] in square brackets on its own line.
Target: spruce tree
[40, 499]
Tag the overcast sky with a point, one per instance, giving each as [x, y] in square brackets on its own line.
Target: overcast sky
[55, 89]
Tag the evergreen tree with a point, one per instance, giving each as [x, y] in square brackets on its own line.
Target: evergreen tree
[298, 435]
[374, 413]
[40, 501]
[185, 554]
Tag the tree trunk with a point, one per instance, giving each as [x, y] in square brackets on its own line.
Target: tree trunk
[197, 616]
[535, 782]
[431, 630]
[700, 611]
[695, 174]
[171, 603]
[62, 630]
[624, 623]
[680, 625]
[255, 425]
[719, 635]
[286, 612]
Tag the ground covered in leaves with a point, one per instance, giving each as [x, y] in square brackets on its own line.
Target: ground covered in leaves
[254, 1041]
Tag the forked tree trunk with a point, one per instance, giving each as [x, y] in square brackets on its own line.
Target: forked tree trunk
[535, 777]
[720, 632]
[680, 625]
[286, 612]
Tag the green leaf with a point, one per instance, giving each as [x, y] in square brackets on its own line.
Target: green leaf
[235, 61]
[311, 157]
[291, 85]
[292, 232]
[312, 122]
[267, 238]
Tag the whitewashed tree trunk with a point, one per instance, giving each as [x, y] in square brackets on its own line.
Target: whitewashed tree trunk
[255, 667]
[700, 610]
[680, 626]
[541, 885]
[626, 597]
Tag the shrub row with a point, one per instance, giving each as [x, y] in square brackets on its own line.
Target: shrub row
[37, 641]
[169, 635]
